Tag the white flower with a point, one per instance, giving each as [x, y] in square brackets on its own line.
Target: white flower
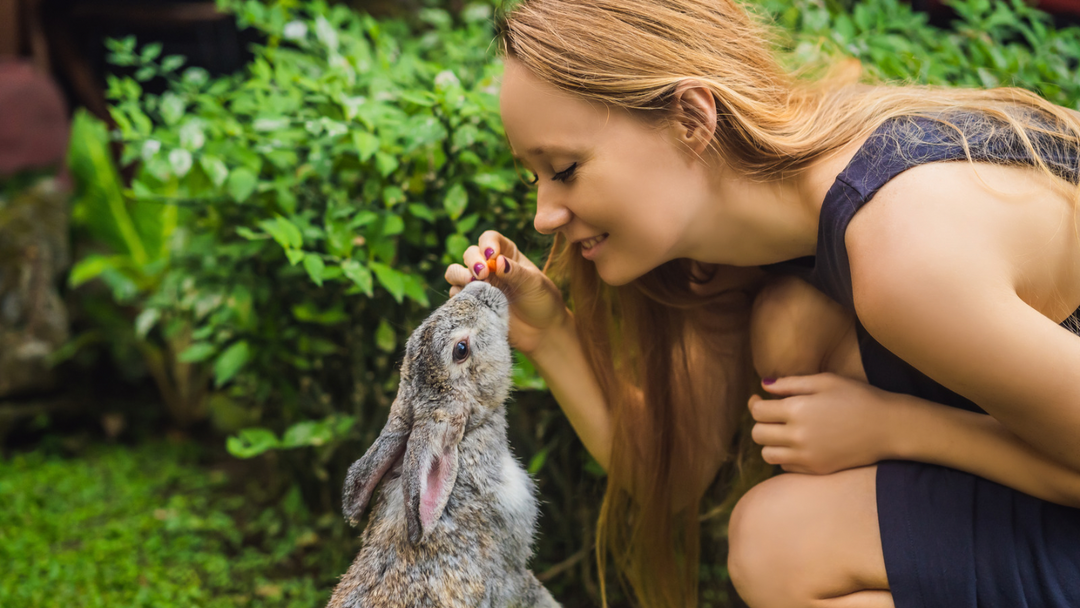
[180, 159]
[150, 147]
[295, 30]
[191, 135]
[446, 79]
[326, 33]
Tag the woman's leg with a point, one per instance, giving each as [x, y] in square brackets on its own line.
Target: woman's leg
[800, 541]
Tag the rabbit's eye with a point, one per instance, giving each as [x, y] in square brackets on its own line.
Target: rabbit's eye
[461, 351]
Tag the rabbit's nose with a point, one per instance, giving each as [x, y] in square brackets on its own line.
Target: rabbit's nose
[488, 295]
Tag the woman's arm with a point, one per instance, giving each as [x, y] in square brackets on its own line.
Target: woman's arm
[825, 423]
[561, 362]
[980, 445]
[941, 269]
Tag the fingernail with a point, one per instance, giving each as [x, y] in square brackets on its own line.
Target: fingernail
[477, 267]
[506, 262]
[488, 253]
[471, 279]
[768, 381]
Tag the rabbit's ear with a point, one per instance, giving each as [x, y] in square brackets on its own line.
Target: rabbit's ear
[429, 471]
[366, 473]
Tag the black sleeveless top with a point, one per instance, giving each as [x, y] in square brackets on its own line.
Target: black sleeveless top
[950, 539]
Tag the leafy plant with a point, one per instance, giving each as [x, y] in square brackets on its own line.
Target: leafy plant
[992, 43]
[132, 238]
[321, 192]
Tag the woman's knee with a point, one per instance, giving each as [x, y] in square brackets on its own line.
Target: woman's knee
[791, 538]
[764, 538]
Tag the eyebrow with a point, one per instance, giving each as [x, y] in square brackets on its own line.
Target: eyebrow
[539, 150]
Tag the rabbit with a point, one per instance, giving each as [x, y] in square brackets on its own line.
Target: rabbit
[454, 520]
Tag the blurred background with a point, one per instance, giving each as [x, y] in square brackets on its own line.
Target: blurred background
[220, 221]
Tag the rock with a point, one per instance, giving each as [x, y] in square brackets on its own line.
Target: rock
[33, 256]
[33, 227]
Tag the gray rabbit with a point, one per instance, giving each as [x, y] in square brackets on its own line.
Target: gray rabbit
[454, 520]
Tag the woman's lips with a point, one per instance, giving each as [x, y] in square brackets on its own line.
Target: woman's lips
[589, 247]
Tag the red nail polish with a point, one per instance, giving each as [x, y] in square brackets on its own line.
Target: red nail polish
[768, 381]
[477, 267]
[488, 253]
[471, 279]
[506, 262]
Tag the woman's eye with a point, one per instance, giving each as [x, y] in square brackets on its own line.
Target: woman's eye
[461, 351]
[562, 176]
[535, 178]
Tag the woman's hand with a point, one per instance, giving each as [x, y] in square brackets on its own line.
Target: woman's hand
[535, 302]
[824, 423]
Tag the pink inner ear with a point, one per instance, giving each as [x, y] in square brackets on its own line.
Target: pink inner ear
[435, 490]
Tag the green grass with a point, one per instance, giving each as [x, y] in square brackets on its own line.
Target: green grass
[145, 526]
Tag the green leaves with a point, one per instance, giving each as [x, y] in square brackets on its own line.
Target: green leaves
[230, 362]
[315, 268]
[366, 144]
[358, 274]
[284, 232]
[456, 200]
[242, 183]
[215, 169]
[993, 44]
[392, 280]
[309, 433]
[249, 443]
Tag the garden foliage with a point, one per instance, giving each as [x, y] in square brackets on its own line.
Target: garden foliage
[287, 226]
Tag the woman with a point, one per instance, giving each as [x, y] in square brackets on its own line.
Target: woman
[685, 175]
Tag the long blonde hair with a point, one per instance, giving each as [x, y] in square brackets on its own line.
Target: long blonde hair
[675, 364]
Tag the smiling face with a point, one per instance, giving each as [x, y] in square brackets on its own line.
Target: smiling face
[606, 179]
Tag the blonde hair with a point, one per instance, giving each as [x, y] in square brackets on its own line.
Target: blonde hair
[650, 341]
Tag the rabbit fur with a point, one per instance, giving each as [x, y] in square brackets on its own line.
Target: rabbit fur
[454, 520]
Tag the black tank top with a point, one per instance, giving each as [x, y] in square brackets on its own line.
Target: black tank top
[896, 146]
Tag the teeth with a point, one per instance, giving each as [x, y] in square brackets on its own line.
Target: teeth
[589, 243]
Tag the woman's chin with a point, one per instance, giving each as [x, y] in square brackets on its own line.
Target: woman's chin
[617, 275]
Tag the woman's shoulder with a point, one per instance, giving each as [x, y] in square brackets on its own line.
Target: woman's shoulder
[978, 223]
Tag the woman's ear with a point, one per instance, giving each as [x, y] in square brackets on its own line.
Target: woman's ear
[693, 109]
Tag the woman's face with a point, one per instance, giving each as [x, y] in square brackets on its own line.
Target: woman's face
[606, 179]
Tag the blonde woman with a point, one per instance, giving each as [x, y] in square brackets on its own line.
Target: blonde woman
[896, 265]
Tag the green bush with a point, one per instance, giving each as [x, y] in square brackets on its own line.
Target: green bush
[302, 211]
[992, 43]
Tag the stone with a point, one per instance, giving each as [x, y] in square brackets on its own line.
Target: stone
[33, 228]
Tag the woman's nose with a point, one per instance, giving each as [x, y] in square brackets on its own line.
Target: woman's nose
[550, 214]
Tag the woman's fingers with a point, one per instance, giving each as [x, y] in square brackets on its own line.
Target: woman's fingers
[799, 385]
[476, 263]
[458, 276]
[768, 410]
[492, 244]
[771, 435]
[778, 455]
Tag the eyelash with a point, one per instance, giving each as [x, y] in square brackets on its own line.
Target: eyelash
[561, 176]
